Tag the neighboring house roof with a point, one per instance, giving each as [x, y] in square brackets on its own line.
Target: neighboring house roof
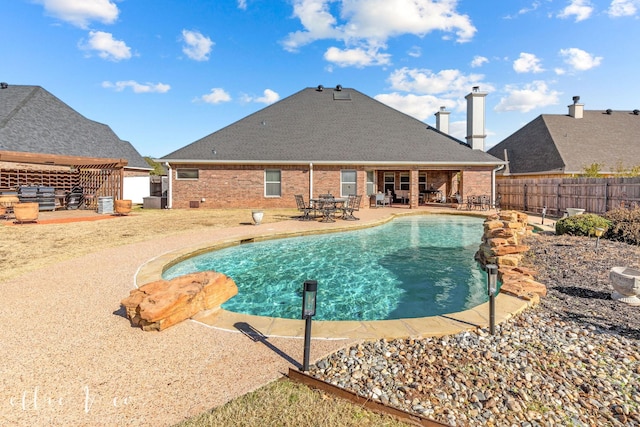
[32, 120]
[330, 126]
[556, 143]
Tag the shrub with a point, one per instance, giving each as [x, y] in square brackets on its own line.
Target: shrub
[581, 225]
[625, 225]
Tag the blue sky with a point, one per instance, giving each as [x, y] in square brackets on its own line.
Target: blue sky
[165, 73]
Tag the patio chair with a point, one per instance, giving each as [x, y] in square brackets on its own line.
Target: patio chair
[303, 208]
[353, 204]
[328, 209]
[459, 201]
[485, 202]
[496, 202]
[382, 200]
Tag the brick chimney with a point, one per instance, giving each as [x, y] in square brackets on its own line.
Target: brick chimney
[475, 118]
[576, 110]
[442, 120]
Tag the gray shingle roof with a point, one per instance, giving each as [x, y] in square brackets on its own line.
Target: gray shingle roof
[32, 120]
[330, 126]
[555, 143]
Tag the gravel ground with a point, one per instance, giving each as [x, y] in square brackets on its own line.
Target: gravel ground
[572, 361]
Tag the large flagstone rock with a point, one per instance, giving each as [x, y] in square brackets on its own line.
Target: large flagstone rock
[163, 303]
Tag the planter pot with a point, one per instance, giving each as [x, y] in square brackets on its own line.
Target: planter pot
[574, 211]
[257, 216]
[626, 285]
[122, 207]
[26, 212]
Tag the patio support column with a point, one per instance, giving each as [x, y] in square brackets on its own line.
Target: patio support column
[310, 180]
[170, 186]
[414, 197]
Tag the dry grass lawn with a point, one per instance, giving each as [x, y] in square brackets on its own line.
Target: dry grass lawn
[30, 246]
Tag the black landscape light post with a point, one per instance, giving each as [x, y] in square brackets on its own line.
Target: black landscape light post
[492, 285]
[309, 292]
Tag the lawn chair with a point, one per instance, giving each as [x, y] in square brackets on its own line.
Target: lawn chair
[353, 204]
[328, 209]
[303, 208]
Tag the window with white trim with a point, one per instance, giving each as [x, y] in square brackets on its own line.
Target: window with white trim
[404, 181]
[371, 184]
[272, 183]
[187, 173]
[348, 184]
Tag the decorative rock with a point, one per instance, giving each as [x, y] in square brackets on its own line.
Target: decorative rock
[163, 303]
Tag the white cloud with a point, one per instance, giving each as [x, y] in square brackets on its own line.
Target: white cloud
[415, 52]
[524, 99]
[447, 83]
[419, 106]
[580, 60]
[106, 46]
[368, 24]
[269, 97]
[216, 96]
[356, 57]
[242, 4]
[81, 12]
[620, 8]
[581, 9]
[137, 87]
[527, 63]
[197, 46]
[479, 61]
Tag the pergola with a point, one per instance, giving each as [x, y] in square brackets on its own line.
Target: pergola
[99, 177]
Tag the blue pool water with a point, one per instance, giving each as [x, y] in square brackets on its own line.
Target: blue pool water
[414, 266]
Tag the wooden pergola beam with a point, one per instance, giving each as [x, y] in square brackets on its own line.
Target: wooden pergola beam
[59, 160]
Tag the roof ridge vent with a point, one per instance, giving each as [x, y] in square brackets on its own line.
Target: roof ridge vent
[4, 85]
[339, 88]
[636, 112]
[609, 111]
[320, 88]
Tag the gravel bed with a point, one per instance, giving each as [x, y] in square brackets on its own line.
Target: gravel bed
[574, 360]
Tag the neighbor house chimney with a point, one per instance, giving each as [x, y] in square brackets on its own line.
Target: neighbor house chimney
[576, 110]
[442, 120]
[475, 118]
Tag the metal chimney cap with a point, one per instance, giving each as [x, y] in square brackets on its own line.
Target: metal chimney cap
[476, 88]
[576, 99]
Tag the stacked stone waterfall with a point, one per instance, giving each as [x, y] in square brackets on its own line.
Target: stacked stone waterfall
[501, 245]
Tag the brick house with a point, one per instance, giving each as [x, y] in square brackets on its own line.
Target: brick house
[330, 140]
[565, 145]
[44, 142]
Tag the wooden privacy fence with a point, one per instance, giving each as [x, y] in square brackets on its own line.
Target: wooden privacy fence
[594, 195]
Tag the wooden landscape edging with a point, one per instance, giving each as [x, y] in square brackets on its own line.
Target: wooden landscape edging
[377, 407]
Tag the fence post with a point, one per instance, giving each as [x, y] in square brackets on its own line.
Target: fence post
[558, 200]
[524, 199]
[606, 197]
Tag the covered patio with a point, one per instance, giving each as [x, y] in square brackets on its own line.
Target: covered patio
[98, 177]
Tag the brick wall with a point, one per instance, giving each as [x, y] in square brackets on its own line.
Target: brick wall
[229, 186]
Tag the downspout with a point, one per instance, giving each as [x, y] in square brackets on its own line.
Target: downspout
[493, 184]
[310, 180]
[170, 189]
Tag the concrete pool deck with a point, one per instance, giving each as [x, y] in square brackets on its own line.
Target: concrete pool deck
[478, 317]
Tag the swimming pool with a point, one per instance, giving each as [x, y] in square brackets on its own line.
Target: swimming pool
[414, 266]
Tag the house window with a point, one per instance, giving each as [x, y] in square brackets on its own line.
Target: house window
[272, 183]
[371, 185]
[348, 182]
[404, 181]
[422, 182]
[182, 173]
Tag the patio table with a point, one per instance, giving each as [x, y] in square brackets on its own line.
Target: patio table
[328, 207]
